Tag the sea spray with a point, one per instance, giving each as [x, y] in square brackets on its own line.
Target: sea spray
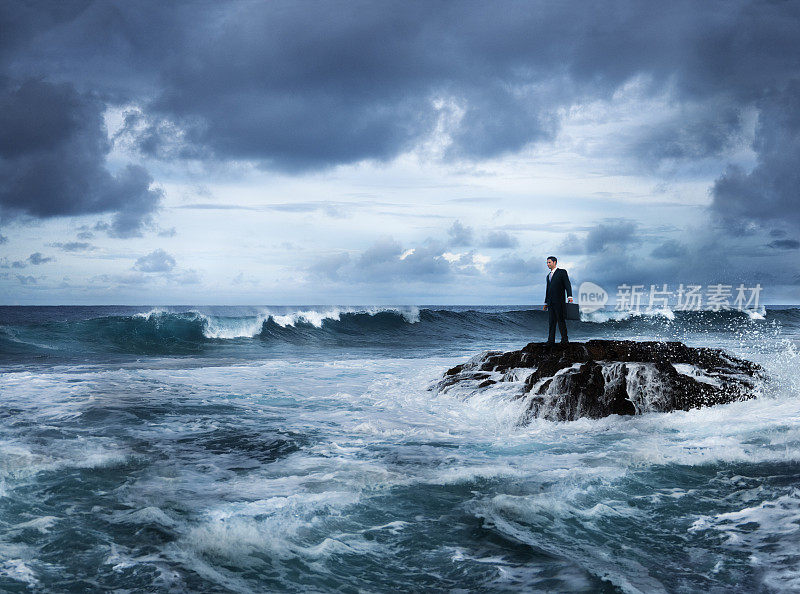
[307, 457]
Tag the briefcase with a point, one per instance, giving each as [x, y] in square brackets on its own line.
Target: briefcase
[572, 311]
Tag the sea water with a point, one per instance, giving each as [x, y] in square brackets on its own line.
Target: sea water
[299, 449]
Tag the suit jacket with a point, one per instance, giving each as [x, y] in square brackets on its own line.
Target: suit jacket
[556, 287]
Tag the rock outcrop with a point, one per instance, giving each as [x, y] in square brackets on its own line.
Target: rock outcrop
[604, 377]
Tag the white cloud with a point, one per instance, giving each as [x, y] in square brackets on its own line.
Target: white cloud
[156, 261]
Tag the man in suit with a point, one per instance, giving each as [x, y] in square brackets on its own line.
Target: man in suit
[557, 284]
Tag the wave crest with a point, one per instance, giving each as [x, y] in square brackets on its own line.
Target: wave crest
[189, 331]
[317, 318]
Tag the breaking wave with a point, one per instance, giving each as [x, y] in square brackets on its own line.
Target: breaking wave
[189, 331]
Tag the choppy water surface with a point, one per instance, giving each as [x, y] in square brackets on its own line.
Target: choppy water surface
[299, 449]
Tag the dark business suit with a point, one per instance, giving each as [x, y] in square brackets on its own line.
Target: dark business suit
[556, 303]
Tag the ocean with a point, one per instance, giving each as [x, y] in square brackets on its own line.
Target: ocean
[299, 449]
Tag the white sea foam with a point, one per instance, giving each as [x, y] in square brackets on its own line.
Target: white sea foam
[152, 313]
[613, 315]
[18, 570]
[22, 461]
[767, 533]
[317, 317]
[370, 430]
[603, 315]
[42, 524]
[247, 326]
[147, 515]
[239, 530]
[250, 325]
[544, 521]
[696, 373]
[311, 316]
[241, 327]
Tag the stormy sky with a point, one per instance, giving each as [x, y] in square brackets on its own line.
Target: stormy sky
[394, 152]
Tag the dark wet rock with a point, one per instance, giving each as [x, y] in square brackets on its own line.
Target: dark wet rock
[605, 377]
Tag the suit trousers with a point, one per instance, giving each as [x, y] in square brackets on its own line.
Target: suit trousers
[558, 315]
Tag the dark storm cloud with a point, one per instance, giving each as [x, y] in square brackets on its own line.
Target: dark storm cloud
[785, 244]
[702, 256]
[707, 129]
[317, 84]
[626, 252]
[22, 21]
[612, 253]
[311, 85]
[769, 193]
[53, 147]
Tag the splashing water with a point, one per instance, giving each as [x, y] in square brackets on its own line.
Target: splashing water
[274, 449]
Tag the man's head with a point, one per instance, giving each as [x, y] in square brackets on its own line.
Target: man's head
[551, 262]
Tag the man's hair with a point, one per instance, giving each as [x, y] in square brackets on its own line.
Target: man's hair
[553, 258]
